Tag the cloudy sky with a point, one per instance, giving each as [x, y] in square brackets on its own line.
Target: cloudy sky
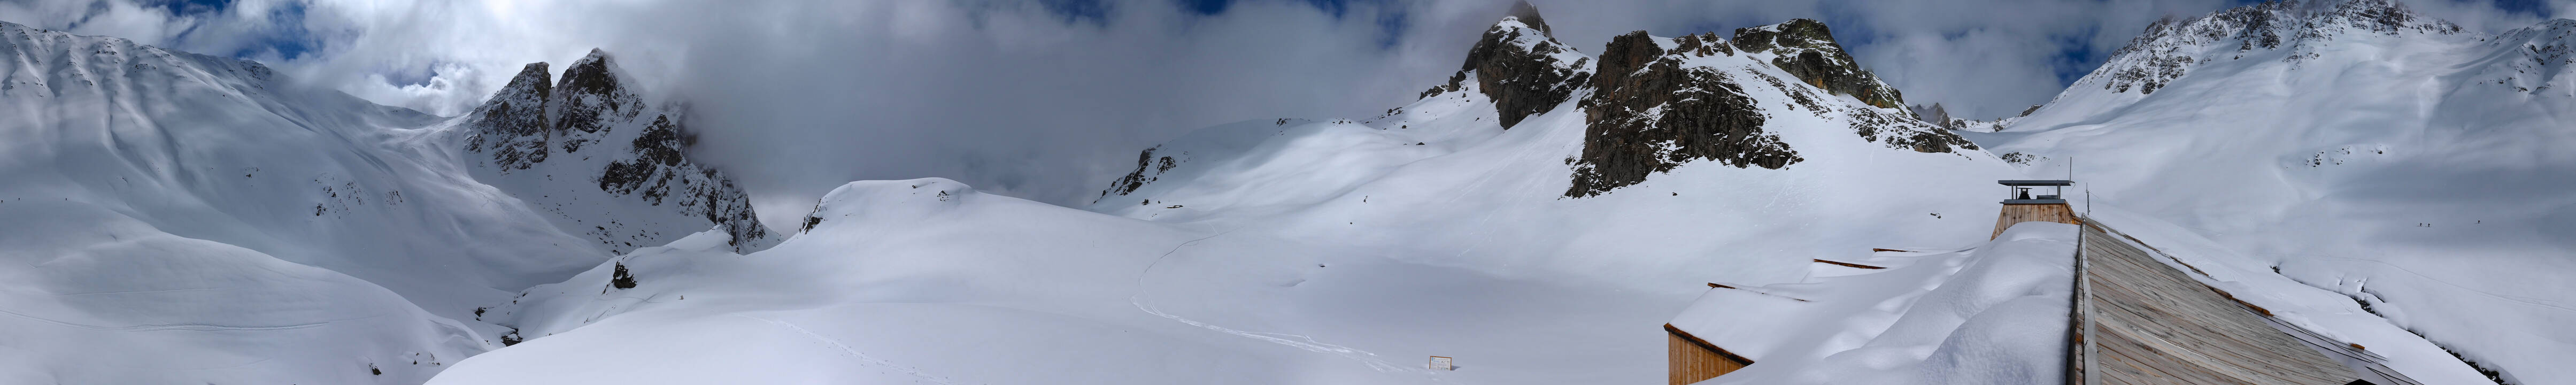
[1049, 99]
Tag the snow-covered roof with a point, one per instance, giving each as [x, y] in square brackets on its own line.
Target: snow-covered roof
[1999, 304]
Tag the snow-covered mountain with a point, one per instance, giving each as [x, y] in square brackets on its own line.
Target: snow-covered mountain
[181, 218]
[590, 135]
[1317, 251]
[2354, 146]
[2355, 168]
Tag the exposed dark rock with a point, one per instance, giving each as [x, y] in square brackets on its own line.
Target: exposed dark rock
[2019, 158]
[621, 279]
[1648, 114]
[2026, 112]
[512, 125]
[655, 152]
[1897, 131]
[588, 96]
[1137, 179]
[1519, 66]
[1807, 49]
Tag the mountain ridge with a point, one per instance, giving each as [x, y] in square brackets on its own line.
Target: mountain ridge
[540, 131]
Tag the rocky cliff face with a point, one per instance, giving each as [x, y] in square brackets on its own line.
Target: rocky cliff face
[1519, 66]
[1649, 113]
[591, 135]
[512, 126]
[1807, 49]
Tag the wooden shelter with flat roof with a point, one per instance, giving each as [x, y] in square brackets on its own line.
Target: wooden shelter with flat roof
[2022, 206]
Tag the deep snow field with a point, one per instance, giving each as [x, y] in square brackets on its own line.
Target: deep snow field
[178, 218]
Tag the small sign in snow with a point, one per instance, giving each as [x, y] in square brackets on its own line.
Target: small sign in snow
[1441, 363]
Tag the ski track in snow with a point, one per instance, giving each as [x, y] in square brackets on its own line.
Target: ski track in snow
[1309, 343]
[2524, 300]
[845, 349]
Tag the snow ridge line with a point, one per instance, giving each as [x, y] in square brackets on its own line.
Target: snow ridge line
[836, 344]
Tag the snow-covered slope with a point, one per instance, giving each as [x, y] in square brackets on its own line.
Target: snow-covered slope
[2357, 147]
[1309, 251]
[175, 218]
[180, 218]
[1440, 180]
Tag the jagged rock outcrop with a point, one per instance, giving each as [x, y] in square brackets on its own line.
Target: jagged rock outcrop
[1649, 112]
[1807, 49]
[588, 98]
[590, 134]
[1137, 179]
[512, 125]
[1523, 69]
[1896, 131]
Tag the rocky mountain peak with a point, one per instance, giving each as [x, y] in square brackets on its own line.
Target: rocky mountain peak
[1649, 113]
[1806, 48]
[1520, 67]
[591, 75]
[512, 124]
[592, 90]
[534, 82]
[590, 134]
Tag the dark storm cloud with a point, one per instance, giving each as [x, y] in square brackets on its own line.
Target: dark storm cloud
[1049, 99]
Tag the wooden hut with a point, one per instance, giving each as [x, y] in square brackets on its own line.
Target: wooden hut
[2024, 206]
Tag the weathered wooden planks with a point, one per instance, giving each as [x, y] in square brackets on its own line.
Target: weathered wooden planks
[2012, 214]
[2151, 324]
[1693, 360]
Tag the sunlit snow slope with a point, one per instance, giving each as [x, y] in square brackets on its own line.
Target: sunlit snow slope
[2357, 147]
